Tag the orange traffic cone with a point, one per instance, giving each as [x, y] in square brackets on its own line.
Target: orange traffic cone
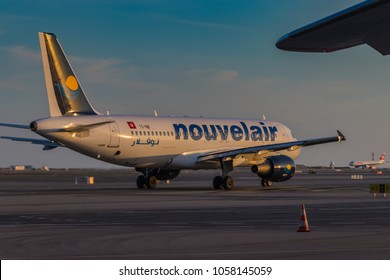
[303, 224]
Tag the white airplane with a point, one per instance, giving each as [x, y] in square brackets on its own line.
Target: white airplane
[371, 164]
[159, 147]
[364, 23]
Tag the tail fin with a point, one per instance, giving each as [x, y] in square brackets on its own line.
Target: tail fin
[382, 156]
[66, 97]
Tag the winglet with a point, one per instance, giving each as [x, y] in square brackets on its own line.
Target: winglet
[340, 136]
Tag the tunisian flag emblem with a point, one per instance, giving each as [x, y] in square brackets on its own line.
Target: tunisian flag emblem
[131, 125]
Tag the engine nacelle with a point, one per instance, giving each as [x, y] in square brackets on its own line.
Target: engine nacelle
[160, 174]
[275, 169]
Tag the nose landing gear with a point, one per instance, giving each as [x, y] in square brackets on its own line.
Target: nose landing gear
[266, 183]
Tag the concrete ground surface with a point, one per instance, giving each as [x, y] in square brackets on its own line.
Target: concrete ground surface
[44, 215]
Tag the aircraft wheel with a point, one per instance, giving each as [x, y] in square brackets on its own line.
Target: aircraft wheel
[217, 182]
[151, 182]
[266, 183]
[228, 183]
[141, 181]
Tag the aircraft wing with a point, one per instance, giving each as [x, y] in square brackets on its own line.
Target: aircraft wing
[365, 23]
[47, 144]
[75, 128]
[270, 148]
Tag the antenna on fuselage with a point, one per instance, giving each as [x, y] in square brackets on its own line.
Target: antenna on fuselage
[155, 113]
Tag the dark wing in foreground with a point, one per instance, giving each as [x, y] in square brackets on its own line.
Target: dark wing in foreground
[365, 23]
[271, 148]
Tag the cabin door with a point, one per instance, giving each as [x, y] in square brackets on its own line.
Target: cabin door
[114, 135]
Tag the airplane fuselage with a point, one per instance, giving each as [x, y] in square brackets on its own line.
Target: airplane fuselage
[163, 142]
[366, 164]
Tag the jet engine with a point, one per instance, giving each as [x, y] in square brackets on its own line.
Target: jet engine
[160, 174]
[275, 169]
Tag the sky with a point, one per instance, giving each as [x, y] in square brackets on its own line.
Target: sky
[209, 58]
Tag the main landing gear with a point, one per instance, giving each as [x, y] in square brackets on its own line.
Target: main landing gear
[223, 182]
[149, 182]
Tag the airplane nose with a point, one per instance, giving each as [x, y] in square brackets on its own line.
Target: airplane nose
[34, 126]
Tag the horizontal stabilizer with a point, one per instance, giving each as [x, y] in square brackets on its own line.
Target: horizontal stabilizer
[15, 125]
[48, 145]
[81, 128]
[72, 128]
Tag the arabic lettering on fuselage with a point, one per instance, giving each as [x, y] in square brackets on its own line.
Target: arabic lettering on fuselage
[149, 141]
[221, 132]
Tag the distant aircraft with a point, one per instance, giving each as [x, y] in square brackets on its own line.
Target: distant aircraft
[159, 147]
[365, 23]
[371, 164]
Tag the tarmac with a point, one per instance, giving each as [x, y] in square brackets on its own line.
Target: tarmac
[45, 215]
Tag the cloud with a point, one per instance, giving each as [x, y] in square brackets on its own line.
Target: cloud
[101, 74]
[213, 76]
[21, 71]
[22, 53]
[114, 75]
[151, 85]
[225, 76]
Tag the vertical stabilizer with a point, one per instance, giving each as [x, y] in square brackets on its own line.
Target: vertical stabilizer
[66, 97]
